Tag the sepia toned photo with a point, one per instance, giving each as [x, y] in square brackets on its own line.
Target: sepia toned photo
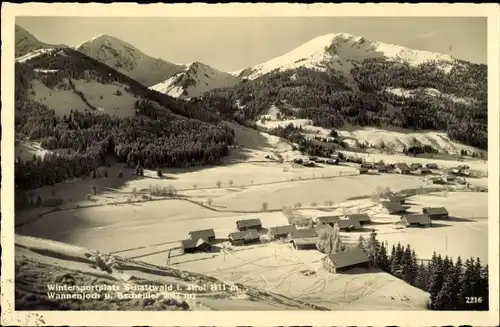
[238, 163]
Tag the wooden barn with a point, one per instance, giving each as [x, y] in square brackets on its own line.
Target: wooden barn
[394, 207]
[304, 233]
[247, 224]
[362, 218]
[344, 261]
[416, 220]
[206, 234]
[367, 165]
[432, 166]
[402, 168]
[330, 220]
[363, 170]
[438, 213]
[245, 237]
[195, 245]
[382, 168]
[304, 243]
[415, 166]
[348, 225]
[425, 171]
[279, 232]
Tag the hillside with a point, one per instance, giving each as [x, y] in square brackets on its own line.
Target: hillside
[128, 60]
[27, 42]
[90, 115]
[42, 262]
[195, 80]
[340, 80]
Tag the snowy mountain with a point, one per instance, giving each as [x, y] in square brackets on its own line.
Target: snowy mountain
[128, 60]
[340, 51]
[27, 42]
[194, 80]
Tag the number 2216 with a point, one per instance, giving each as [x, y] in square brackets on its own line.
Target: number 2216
[473, 299]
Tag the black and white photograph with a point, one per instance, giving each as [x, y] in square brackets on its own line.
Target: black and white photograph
[253, 163]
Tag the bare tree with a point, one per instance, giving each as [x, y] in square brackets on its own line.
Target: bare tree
[219, 183]
[195, 186]
[94, 189]
[314, 204]
[231, 182]
[298, 205]
[329, 241]
[264, 206]
[210, 201]
[134, 192]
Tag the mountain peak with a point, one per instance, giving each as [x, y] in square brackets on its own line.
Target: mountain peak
[340, 51]
[128, 59]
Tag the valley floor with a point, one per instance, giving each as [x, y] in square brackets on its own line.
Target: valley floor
[123, 219]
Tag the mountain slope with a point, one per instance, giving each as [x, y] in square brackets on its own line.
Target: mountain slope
[340, 51]
[40, 262]
[128, 60]
[339, 79]
[196, 79]
[85, 112]
[27, 42]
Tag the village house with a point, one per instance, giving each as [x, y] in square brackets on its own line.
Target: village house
[397, 198]
[416, 220]
[394, 207]
[450, 178]
[415, 166]
[363, 170]
[425, 171]
[330, 220]
[246, 237]
[333, 161]
[195, 245]
[304, 243]
[367, 165]
[279, 232]
[348, 225]
[206, 234]
[362, 218]
[247, 224]
[344, 261]
[382, 169]
[304, 233]
[402, 168]
[438, 213]
[432, 166]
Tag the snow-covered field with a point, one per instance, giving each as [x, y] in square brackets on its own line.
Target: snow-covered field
[395, 139]
[41, 262]
[101, 96]
[118, 219]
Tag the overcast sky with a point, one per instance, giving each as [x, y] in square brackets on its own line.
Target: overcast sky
[231, 44]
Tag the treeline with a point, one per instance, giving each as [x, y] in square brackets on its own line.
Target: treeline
[452, 285]
[81, 142]
[330, 101]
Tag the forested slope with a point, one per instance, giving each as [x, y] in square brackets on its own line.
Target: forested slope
[162, 132]
[374, 93]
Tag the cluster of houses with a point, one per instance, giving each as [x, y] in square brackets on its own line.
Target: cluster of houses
[398, 168]
[249, 232]
[313, 160]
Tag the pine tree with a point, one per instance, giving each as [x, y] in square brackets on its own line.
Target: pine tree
[414, 266]
[396, 260]
[457, 274]
[407, 265]
[373, 248]
[465, 284]
[436, 281]
[484, 289]
[422, 277]
[445, 299]
[382, 258]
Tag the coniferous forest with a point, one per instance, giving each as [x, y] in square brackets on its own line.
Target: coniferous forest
[163, 132]
[457, 105]
[459, 285]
